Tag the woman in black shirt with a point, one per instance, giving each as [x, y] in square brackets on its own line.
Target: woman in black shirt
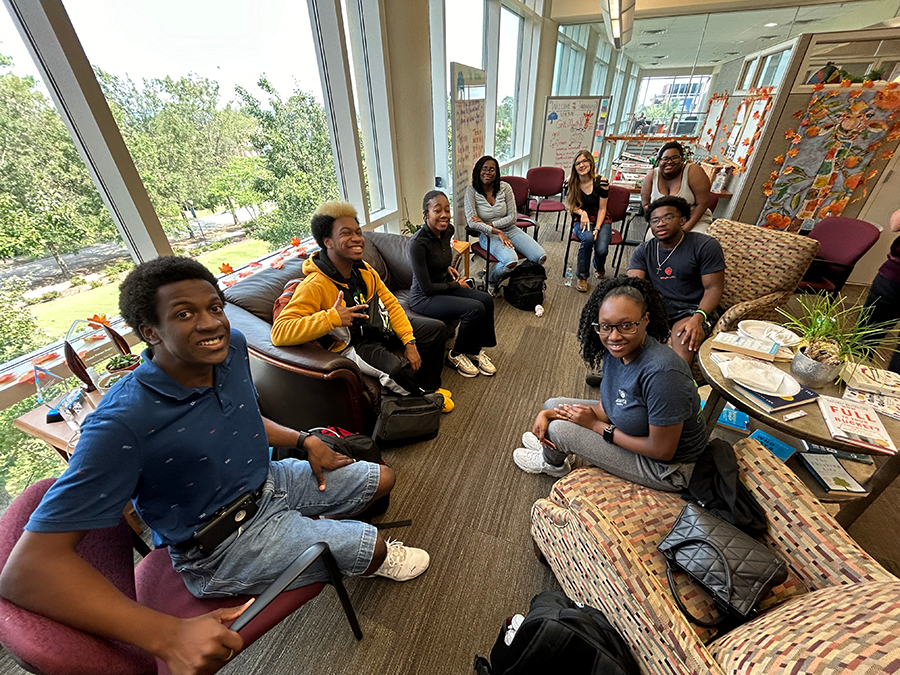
[586, 201]
[438, 290]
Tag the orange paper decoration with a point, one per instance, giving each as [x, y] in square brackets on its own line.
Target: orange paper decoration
[225, 268]
[295, 241]
[779, 160]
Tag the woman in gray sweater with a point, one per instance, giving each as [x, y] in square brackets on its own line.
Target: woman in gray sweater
[491, 210]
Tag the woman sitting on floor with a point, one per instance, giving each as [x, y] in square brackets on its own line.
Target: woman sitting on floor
[438, 290]
[646, 428]
[586, 201]
[490, 207]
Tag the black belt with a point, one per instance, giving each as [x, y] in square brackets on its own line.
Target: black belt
[230, 517]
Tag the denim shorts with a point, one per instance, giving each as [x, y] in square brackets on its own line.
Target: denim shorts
[283, 528]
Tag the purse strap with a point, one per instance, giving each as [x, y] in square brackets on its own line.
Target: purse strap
[670, 577]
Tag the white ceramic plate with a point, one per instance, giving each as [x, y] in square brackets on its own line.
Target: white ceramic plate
[765, 330]
[749, 374]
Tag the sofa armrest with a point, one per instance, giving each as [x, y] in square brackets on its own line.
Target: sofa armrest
[801, 531]
[758, 308]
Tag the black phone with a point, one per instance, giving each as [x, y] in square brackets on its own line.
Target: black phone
[225, 521]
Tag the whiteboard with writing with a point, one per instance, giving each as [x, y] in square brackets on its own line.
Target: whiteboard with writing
[569, 126]
[467, 128]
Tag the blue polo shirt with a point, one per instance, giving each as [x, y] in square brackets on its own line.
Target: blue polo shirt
[178, 453]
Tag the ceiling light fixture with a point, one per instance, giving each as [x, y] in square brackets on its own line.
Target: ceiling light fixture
[657, 31]
[731, 53]
[647, 45]
[770, 25]
[618, 15]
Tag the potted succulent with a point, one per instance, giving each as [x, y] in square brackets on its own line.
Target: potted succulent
[122, 363]
[833, 334]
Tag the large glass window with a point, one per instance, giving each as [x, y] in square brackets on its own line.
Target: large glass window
[222, 112]
[571, 48]
[511, 25]
[464, 33]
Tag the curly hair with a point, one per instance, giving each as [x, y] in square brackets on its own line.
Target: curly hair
[137, 294]
[324, 217]
[476, 175]
[637, 289]
[679, 203]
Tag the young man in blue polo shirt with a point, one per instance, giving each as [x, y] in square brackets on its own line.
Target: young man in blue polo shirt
[183, 437]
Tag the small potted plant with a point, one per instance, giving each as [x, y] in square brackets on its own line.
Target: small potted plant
[122, 363]
[832, 334]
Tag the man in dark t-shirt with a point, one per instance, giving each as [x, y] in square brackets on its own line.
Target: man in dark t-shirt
[688, 270]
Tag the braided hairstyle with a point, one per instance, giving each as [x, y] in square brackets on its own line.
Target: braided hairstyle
[639, 290]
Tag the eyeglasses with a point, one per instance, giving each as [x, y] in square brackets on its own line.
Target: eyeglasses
[488, 169]
[624, 328]
[671, 159]
[665, 219]
[583, 162]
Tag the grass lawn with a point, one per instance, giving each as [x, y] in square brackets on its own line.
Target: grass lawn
[56, 316]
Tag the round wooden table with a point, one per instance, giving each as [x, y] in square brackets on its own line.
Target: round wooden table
[811, 428]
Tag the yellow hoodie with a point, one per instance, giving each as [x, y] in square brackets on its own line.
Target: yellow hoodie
[310, 313]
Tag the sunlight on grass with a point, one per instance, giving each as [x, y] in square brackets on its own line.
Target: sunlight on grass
[56, 316]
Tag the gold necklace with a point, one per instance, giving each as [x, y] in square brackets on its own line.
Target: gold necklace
[659, 264]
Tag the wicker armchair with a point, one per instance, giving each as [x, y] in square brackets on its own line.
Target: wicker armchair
[837, 614]
[763, 268]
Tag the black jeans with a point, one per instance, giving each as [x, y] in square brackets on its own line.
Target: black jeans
[884, 298]
[431, 336]
[475, 311]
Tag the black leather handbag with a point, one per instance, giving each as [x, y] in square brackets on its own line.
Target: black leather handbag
[735, 569]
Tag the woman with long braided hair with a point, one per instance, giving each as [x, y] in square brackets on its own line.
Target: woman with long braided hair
[646, 427]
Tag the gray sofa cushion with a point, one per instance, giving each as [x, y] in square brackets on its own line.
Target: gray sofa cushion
[257, 294]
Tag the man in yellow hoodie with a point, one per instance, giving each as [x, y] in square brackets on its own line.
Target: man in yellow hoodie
[344, 305]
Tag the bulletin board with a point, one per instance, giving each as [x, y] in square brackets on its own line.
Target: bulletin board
[467, 122]
[713, 121]
[570, 124]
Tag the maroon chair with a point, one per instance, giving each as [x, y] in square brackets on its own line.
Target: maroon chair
[519, 187]
[485, 254]
[616, 211]
[713, 202]
[44, 646]
[843, 241]
[545, 182]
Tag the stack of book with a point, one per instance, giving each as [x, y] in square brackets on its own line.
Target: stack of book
[740, 344]
[856, 423]
[773, 404]
[830, 473]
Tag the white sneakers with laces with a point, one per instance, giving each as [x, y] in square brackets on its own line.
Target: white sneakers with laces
[484, 364]
[402, 563]
[532, 461]
[462, 364]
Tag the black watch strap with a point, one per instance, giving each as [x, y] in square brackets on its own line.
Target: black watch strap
[608, 433]
[301, 440]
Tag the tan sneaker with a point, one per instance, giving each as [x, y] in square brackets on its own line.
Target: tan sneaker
[402, 563]
[462, 364]
[581, 285]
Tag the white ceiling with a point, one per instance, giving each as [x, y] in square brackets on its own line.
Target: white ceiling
[742, 32]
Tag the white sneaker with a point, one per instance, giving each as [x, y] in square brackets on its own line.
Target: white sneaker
[402, 563]
[484, 364]
[530, 441]
[462, 364]
[532, 461]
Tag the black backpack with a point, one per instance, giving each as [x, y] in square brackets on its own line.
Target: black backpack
[525, 286]
[560, 636]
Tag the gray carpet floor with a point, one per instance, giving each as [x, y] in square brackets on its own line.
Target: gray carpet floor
[470, 508]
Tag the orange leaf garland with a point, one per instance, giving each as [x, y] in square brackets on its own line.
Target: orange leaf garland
[779, 160]
[225, 268]
[295, 241]
[846, 83]
[868, 84]
[793, 152]
[887, 154]
[818, 86]
[98, 320]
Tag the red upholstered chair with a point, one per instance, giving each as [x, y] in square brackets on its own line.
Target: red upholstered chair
[42, 645]
[519, 186]
[545, 182]
[485, 254]
[843, 241]
[616, 211]
[713, 202]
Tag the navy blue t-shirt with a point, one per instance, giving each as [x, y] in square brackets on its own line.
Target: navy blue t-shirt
[655, 388]
[179, 453]
[679, 277]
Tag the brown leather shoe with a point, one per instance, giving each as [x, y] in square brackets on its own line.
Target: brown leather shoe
[600, 274]
[581, 285]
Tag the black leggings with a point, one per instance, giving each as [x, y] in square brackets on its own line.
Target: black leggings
[475, 311]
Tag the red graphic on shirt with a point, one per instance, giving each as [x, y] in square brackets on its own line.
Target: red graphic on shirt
[668, 271]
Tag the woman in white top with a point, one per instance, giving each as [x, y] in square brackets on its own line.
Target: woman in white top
[491, 210]
[674, 178]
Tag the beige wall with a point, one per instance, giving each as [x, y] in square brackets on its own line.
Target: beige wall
[543, 84]
[409, 57]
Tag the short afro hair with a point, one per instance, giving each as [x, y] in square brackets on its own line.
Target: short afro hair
[669, 146]
[639, 290]
[137, 294]
[670, 200]
[324, 217]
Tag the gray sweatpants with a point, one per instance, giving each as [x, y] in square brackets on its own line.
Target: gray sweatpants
[570, 438]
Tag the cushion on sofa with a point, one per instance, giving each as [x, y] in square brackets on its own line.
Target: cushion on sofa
[257, 293]
[840, 630]
[389, 252]
[644, 517]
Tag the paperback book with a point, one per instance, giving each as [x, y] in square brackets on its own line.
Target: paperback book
[778, 448]
[771, 403]
[886, 405]
[761, 349]
[840, 454]
[734, 419]
[856, 423]
[875, 380]
[828, 471]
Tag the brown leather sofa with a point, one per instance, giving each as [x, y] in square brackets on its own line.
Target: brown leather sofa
[307, 386]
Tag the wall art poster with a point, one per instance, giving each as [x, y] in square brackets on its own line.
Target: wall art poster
[829, 155]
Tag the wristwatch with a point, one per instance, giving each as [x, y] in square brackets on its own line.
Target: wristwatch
[301, 440]
[608, 433]
[411, 342]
